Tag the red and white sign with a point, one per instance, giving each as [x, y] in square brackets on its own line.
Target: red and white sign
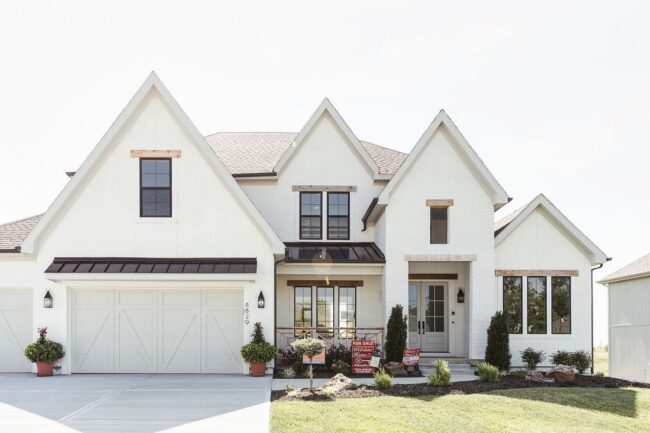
[411, 356]
[362, 351]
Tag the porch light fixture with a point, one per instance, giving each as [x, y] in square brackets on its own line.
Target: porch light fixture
[460, 298]
[47, 300]
[260, 300]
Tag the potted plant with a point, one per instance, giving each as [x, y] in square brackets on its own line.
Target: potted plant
[44, 353]
[258, 352]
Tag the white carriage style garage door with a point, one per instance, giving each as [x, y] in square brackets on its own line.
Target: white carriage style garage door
[15, 329]
[157, 330]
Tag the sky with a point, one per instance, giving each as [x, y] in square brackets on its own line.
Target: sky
[554, 96]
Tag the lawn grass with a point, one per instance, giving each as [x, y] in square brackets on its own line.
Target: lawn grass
[600, 360]
[538, 410]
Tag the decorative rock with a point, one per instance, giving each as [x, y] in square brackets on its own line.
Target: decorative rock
[338, 383]
[395, 369]
[536, 376]
[562, 374]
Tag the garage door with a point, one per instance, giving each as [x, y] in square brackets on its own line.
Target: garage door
[157, 331]
[15, 329]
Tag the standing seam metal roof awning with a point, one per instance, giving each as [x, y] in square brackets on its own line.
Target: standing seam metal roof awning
[335, 252]
[134, 265]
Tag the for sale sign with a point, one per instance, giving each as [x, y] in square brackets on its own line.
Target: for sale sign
[411, 356]
[362, 351]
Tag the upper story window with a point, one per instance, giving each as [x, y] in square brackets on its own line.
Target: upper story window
[338, 215]
[155, 187]
[311, 216]
[439, 220]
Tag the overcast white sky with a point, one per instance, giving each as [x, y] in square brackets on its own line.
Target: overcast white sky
[555, 97]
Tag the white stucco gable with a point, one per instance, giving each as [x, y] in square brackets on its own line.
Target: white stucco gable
[553, 214]
[327, 110]
[152, 84]
[497, 194]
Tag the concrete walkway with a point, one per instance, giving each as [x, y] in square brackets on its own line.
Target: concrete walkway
[134, 403]
[281, 384]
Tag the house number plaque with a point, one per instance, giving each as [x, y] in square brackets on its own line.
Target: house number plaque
[246, 313]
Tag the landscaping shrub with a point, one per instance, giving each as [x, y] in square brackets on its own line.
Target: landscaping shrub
[338, 352]
[497, 351]
[580, 360]
[340, 367]
[532, 358]
[561, 357]
[396, 330]
[488, 373]
[309, 347]
[288, 373]
[289, 356]
[383, 380]
[440, 376]
[258, 350]
[519, 373]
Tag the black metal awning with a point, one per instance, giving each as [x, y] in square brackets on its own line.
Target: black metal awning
[134, 265]
[348, 252]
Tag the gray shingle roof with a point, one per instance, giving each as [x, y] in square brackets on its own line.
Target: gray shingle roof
[637, 268]
[14, 233]
[259, 152]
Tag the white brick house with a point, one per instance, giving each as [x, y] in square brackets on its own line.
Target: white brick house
[159, 248]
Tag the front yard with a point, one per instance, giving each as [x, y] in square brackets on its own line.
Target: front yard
[538, 410]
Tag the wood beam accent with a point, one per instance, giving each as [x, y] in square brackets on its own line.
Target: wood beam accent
[334, 188]
[536, 273]
[440, 203]
[433, 276]
[155, 154]
[309, 283]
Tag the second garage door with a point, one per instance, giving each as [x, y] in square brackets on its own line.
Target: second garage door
[157, 331]
[15, 329]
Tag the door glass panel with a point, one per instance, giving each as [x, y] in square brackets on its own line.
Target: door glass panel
[435, 308]
[440, 324]
[430, 324]
[413, 308]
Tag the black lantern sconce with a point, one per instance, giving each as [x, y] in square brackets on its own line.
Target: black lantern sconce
[48, 302]
[260, 300]
[460, 298]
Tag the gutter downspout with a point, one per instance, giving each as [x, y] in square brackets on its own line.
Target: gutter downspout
[595, 268]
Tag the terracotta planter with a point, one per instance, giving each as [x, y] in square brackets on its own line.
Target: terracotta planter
[44, 369]
[258, 369]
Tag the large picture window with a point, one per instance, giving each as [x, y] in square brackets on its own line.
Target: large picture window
[536, 300]
[561, 305]
[155, 187]
[302, 307]
[512, 303]
[325, 307]
[338, 215]
[347, 309]
[311, 217]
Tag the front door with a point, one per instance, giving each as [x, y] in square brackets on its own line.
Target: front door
[428, 313]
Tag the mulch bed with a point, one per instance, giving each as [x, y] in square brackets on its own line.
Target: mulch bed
[472, 387]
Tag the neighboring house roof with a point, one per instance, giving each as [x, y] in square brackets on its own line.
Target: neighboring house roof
[509, 224]
[259, 152]
[153, 82]
[13, 234]
[498, 194]
[637, 269]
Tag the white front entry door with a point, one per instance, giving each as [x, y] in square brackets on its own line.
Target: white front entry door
[157, 331]
[16, 330]
[428, 316]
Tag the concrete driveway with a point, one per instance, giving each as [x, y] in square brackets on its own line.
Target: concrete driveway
[135, 403]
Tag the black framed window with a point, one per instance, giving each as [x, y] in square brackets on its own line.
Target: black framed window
[302, 317]
[347, 310]
[311, 216]
[155, 187]
[561, 305]
[338, 215]
[325, 307]
[438, 225]
[536, 301]
[513, 303]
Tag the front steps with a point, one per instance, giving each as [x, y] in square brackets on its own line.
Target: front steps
[457, 366]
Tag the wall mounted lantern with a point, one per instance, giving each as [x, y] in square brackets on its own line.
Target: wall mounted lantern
[460, 298]
[260, 300]
[48, 302]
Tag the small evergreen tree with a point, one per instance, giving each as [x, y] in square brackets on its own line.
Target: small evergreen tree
[497, 351]
[258, 334]
[396, 330]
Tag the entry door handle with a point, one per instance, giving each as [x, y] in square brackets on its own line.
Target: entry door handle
[418, 326]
